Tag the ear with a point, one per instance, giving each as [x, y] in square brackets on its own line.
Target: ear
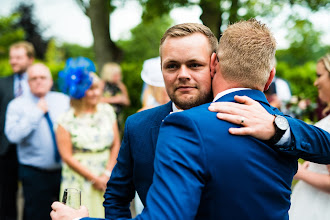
[213, 64]
[270, 79]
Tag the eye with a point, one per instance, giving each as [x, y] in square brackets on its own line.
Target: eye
[194, 65]
[171, 66]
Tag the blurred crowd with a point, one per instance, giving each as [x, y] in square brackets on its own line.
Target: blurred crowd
[53, 140]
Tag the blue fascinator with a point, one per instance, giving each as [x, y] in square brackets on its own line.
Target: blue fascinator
[75, 79]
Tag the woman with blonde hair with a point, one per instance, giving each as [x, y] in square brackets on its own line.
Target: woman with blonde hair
[87, 135]
[311, 196]
[114, 91]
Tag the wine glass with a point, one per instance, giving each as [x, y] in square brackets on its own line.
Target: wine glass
[72, 197]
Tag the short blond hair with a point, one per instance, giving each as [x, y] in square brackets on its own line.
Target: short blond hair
[187, 29]
[326, 62]
[108, 70]
[247, 53]
[29, 48]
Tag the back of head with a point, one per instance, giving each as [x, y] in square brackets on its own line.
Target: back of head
[247, 54]
[186, 29]
[109, 70]
[30, 52]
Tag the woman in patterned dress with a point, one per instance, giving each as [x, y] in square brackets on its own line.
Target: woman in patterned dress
[87, 136]
[311, 196]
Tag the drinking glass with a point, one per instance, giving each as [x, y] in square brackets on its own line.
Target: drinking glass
[72, 197]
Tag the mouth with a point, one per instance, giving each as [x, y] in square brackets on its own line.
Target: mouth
[185, 88]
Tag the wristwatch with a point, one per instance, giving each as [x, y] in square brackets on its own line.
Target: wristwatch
[281, 125]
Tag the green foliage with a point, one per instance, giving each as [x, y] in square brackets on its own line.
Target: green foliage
[301, 78]
[143, 45]
[5, 67]
[145, 40]
[75, 50]
[132, 79]
[9, 34]
[32, 28]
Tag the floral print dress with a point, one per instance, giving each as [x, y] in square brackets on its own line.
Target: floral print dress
[91, 137]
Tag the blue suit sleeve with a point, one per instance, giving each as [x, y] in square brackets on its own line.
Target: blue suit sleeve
[120, 188]
[179, 174]
[307, 141]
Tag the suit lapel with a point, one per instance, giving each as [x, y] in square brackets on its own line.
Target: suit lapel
[167, 108]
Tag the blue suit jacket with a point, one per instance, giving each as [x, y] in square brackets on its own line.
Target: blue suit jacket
[203, 172]
[134, 169]
[6, 95]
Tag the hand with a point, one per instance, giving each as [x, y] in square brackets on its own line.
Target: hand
[100, 183]
[63, 212]
[42, 104]
[257, 121]
[302, 169]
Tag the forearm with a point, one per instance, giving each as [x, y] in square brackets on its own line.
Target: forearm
[309, 142]
[118, 99]
[317, 180]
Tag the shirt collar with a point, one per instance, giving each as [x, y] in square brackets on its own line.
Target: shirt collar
[220, 94]
[174, 108]
[21, 76]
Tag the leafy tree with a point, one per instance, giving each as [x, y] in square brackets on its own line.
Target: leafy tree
[98, 11]
[142, 45]
[217, 14]
[33, 31]
[9, 33]
[75, 50]
[145, 39]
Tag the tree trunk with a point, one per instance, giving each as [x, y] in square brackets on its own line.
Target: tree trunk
[211, 15]
[104, 47]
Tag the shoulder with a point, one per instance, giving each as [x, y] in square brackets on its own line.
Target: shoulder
[4, 82]
[21, 100]
[194, 114]
[6, 78]
[153, 115]
[59, 95]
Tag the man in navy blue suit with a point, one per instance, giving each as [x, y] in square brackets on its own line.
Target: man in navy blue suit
[186, 64]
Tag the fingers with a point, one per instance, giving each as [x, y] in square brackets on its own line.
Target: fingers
[57, 205]
[241, 131]
[305, 165]
[227, 107]
[235, 119]
[244, 100]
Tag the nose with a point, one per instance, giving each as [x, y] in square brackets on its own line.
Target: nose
[184, 73]
[315, 82]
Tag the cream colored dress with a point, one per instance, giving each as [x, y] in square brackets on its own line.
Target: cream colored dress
[91, 136]
[308, 202]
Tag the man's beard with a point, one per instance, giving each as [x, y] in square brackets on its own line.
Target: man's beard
[193, 101]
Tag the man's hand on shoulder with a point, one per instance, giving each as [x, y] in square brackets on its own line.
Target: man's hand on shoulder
[64, 212]
[253, 118]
